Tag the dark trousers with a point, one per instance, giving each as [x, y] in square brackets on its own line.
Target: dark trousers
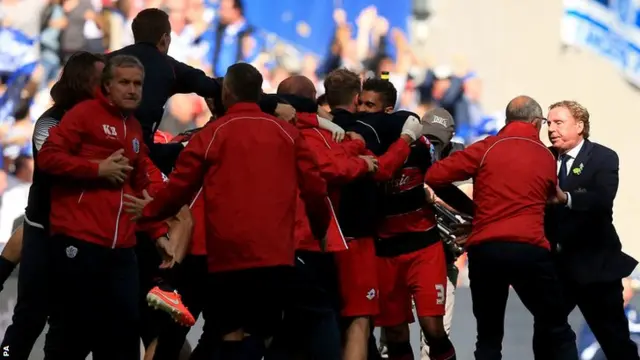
[602, 306]
[310, 325]
[191, 282]
[252, 300]
[151, 320]
[529, 269]
[31, 310]
[95, 306]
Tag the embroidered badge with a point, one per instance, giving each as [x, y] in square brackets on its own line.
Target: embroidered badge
[71, 251]
[578, 170]
[136, 145]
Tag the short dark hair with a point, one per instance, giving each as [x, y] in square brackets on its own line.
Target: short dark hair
[150, 25]
[523, 108]
[322, 100]
[244, 81]
[383, 87]
[72, 87]
[341, 86]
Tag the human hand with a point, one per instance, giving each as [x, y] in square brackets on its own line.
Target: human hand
[559, 198]
[431, 196]
[372, 162]
[412, 127]
[285, 112]
[355, 136]
[337, 133]
[115, 168]
[340, 16]
[367, 18]
[135, 205]
[381, 26]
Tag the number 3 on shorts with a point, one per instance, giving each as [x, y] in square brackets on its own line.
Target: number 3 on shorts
[441, 294]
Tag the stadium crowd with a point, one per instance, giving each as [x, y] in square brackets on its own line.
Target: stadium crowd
[211, 35]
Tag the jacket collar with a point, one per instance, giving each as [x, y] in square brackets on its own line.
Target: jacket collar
[305, 120]
[243, 107]
[520, 129]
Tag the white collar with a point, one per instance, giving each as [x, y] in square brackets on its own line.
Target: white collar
[573, 153]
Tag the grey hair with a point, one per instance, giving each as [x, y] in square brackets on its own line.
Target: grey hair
[120, 61]
[523, 108]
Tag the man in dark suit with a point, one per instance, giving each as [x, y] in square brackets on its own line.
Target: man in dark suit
[579, 225]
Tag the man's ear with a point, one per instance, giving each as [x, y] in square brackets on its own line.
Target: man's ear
[388, 109]
[580, 125]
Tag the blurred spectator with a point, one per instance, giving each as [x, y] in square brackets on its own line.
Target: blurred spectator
[73, 35]
[14, 199]
[211, 35]
[52, 22]
[230, 38]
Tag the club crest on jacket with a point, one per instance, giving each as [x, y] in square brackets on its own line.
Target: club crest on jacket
[71, 251]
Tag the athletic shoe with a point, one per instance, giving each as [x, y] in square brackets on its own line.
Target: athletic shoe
[171, 303]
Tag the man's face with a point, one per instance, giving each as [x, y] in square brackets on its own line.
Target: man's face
[125, 89]
[371, 101]
[228, 13]
[564, 131]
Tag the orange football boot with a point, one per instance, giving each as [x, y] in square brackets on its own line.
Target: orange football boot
[171, 303]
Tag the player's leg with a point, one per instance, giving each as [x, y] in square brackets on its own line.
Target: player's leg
[75, 320]
[10, 256]
[32, 308]
[191, 284]
[121, 312]
[359, 290]
[395, 306]
[427, 279]
[452, 278]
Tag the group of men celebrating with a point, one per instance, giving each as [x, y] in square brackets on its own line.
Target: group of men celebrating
[293, 230]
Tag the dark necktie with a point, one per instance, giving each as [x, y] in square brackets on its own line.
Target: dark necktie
[563, 174]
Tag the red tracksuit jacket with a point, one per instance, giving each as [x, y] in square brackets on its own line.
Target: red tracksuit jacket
[250, 166]
[338, 164]
[93, 211]
[198, 244]
[514, 175]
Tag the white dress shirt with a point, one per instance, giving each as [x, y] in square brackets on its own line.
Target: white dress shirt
[572, 154]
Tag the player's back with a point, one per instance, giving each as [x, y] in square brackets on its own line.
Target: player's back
[250, 190]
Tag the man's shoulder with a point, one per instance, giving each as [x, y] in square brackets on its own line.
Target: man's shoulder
[602, 150]
[89, 105]
[255, 116]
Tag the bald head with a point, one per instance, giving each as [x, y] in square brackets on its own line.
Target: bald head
[523, 108]
[298, 85]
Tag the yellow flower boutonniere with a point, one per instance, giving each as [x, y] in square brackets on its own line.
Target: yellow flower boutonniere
[578, 170]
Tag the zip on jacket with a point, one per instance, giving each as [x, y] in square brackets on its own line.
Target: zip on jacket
[83, 205]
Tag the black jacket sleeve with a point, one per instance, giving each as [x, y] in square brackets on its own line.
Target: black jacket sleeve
[164, 156]
[192, 80]
[269, 103]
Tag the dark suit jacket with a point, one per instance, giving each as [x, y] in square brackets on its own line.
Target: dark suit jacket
[584, 241]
